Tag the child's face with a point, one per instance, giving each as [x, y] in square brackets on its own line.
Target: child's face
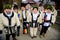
[28, 6]
[35, 10]
[45, 10]
[16, 10]
[8, 11]
[23, 8]
[48, 10]
[41, 8]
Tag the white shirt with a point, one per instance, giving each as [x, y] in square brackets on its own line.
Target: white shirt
[24, 14]
[35, 16]
[48, 18]
[9, 15]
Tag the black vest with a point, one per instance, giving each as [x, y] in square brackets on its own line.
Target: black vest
[23, 16]
[34, 21]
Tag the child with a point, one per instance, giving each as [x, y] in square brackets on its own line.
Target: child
[34, 19]
[9, 20]
[47, 21]
[15, 9]
[24, 18]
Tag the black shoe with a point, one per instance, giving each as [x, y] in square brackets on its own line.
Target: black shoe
[35, 36]
[23, 33]
[41, 36]
[32, 37]
[44, 35]
[14, 39]
[18, 34]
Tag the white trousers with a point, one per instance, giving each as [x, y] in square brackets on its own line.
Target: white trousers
[33, 31]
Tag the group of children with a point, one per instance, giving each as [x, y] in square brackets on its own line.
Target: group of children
[31, 18]
[37, 18]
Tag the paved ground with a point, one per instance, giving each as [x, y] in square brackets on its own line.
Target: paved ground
[51, 35]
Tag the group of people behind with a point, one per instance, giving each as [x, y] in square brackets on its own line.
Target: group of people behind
[31, 18]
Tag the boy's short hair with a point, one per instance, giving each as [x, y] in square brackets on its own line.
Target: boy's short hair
[40, 4]
[35, 7]
[15, 7]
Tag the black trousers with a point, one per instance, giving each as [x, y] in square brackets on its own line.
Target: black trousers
[25, 27]
[8, 36]
[0, 31]
[18, 31]
[0, 34]
[24, 23]
[44, 29]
